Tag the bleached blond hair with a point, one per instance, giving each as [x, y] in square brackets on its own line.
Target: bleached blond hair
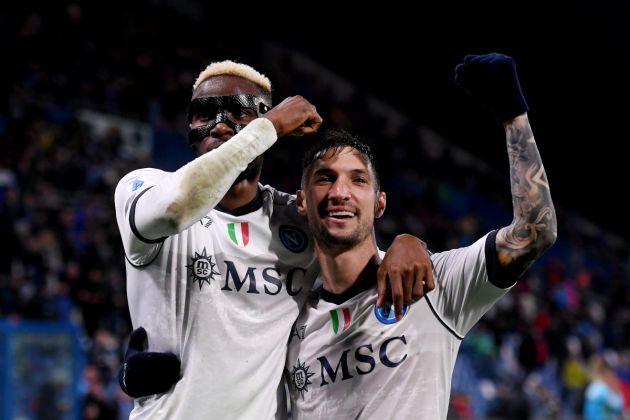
[230, 67]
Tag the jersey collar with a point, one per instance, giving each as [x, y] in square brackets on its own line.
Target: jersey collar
[250, 207]
[367, 280]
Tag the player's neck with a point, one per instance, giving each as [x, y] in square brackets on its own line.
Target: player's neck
[340, 271]
[240, 194]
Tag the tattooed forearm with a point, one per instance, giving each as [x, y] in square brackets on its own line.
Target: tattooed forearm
[533, 229]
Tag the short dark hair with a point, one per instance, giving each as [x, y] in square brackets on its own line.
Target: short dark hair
[333, 141]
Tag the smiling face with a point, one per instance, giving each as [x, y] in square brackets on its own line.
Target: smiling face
[340, 198]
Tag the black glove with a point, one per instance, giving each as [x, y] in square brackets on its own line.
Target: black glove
[146, 373]
[492, 80]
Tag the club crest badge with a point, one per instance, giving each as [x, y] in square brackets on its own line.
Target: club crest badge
[385, 314]
[293, 238]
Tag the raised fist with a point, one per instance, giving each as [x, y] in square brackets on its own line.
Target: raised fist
[492, 80]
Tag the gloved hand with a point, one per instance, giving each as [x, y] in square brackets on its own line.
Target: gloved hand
[146, 373]
[492, 80]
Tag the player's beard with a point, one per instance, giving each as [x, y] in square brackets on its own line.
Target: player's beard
[252, 171]
[339, 242]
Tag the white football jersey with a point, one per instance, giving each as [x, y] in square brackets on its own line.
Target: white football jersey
[222, 295]
[349, 360]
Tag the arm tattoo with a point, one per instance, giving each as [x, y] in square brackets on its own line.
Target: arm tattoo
[533, 229]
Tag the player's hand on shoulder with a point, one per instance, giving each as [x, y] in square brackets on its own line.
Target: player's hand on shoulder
[408, 272]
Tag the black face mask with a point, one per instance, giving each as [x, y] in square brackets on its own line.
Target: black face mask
[234, 111]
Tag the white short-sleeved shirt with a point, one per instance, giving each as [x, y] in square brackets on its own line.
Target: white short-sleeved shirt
[348, 360]
[222, 295]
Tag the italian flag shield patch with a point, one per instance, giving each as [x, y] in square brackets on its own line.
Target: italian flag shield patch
[340, 319]
[239, 233]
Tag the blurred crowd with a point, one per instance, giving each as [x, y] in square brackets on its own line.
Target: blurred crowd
[553, 345]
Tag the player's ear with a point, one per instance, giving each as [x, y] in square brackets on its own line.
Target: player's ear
[301, 202]
[381, 203]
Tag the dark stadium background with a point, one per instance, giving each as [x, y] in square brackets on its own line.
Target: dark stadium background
[573, 58]
[573, 61]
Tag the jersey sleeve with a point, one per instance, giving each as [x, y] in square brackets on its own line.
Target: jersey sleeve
[139, 250]
[464, 292]
[152, 205]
